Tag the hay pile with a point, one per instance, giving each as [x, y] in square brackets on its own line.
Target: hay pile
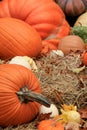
[56, 76]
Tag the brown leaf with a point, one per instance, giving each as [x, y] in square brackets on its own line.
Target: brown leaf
[43, 116]
[58, 96]
[83, 112]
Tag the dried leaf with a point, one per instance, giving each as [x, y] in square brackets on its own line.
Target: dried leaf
[72, 126]
[58, 96]
[78, 70]
[43, 116]
[83, 112]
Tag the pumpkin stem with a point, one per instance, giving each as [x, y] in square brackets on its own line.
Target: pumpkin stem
[26, 95]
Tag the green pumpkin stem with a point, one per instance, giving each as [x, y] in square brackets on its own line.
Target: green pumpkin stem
[26, 96]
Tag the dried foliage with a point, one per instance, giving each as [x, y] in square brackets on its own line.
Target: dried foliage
[56, 76]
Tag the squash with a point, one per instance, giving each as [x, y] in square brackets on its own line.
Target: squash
[73, 7]
[44, 15]
[25, 61]
[18, 38]
[19, 93]
[50, 125]
[71, 43]
[81, 20]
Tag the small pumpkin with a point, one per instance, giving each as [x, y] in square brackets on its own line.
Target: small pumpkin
[71, 43]
[44, 15]
[19, 89]
[73, 7]
[84, 58]
[50, 125]
[18, 38]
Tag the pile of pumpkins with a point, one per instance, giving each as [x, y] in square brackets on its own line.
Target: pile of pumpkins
[32, 28]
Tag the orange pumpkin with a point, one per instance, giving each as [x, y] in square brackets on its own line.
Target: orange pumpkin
[50, 125]
[16, 82]
[84, 58]
[73, 7]
[18, 38]
[44, 15]
[48, 45]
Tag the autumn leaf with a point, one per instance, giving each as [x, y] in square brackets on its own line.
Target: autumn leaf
[43, 116]
[83, 112]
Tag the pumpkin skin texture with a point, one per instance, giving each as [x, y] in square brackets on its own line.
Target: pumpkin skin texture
[44, 15]
[12, 79]
[84, 58]
[73, 7]
[71, 43]
[50, 125]
[18, 38]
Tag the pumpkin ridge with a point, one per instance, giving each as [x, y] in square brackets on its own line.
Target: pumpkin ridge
[75, 11]
[3, 10]
[19, 43]
[14, 113]
[65, 4]
[14, 45]
[73, 7]
[7, 3]
[85, 3]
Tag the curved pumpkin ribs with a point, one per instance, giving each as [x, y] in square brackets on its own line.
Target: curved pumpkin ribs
[18, 38]
[14, 109]
[73, 7]
[44, 15]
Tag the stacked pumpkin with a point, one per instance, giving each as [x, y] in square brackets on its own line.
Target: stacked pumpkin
[28, 28]
[45, 16]
[23, 26]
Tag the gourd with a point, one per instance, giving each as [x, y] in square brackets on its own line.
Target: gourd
[19, 93]
[81, 20]
[71, 43]
[50, 125]
[44, 15]
[25, 61]
[18, 38]
[73, 7]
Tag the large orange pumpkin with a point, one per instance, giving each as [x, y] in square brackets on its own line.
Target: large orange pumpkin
[15, 108]
[18, 38]
[44, 15]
